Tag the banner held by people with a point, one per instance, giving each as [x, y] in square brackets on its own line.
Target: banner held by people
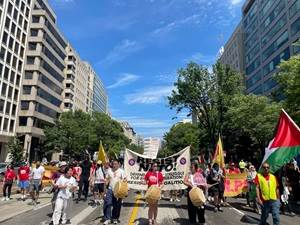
[235, 184]
[174, 168]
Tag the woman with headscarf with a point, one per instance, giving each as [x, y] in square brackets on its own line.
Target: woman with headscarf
[195, 179]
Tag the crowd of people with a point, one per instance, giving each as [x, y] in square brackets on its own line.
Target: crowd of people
[266, 193]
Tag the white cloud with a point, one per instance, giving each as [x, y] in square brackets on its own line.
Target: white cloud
[120, 52]
[150, 95]
[124, 79]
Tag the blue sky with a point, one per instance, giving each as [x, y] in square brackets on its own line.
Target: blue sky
[136, 46]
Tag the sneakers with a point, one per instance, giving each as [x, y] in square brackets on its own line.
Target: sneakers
[106, 222]
[3, 199]
[177, 200]
[171, 199]
[115, 222]
[215, 209]
[7, 199]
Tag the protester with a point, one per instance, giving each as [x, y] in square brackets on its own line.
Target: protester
[76, 171]
[232, 169]
[37, 175]
[195, 179]
[284, 187]
[114, 175]
[23, 179]
[9, 177]
[84, 180]
[153, 177]
[242, 166]
[215, 180]
[55, 177]
[267, 193]
[251, 189]
[66, 184]
[98, 175]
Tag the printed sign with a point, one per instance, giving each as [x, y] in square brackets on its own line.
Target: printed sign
[174, 168]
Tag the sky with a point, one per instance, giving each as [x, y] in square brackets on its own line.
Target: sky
[137, 46]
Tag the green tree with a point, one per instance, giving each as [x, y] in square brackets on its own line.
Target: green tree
[255, 116]
[180, 136]
[15, 150]
[207, 94]
[136, 148]
[289, 80]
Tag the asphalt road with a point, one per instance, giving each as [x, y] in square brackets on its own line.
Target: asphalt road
[169, 213]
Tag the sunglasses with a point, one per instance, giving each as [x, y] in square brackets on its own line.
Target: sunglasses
[266, 167]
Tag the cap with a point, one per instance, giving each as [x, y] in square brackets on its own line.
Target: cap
[63, 163]
[99, 162]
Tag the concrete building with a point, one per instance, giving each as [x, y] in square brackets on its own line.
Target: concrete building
[151, 146]
[129, 132]
[14, 27]
[42, 88]
[76, 84]
[271, 27]
[98, 99]
[233, 52]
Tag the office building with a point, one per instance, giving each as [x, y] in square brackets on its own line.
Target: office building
[14, 29]
[151, 146]
[233, 52]
[271, 27]
[42, 88]
[129, 132]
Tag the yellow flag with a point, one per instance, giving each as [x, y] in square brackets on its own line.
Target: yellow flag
[219, 154]
[101, 154]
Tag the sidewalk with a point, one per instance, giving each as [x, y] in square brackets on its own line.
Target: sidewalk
[15, 207]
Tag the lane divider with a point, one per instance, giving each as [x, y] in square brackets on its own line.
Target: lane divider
[135, 210]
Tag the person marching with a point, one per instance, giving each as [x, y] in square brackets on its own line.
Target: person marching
[9, 177]
[23, 178]
[267, 193]
[66, 185]
[153, 177]
[195, 179]
[99, 183]
[37, 175]
[110, 201]
[214, 178]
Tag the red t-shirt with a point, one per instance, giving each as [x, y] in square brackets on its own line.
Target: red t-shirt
[154, 178]
[9, 175]
[23, 173]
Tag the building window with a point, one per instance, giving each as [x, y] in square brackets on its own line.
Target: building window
[294, 8]
[3, 90]
[295, 27]
[13, 28]
[35, 19]
[8, 57]
[5, 124]
[28, 75]
[2, 53]
[32, 46]
[2, 105]
[30, 60]
[25, 105]
[22, 121]
[16, 95]
[253, 66]
[7, 23]
[11, 126]
[13, 110]
[16, 49]
[10, 92]
[26, 89]
[274, 30]
[271, 66]
[15, 16]
[46, 111]
[12, 76]
[4, 38]
[7, 109]
[10, 8]
[34, 32]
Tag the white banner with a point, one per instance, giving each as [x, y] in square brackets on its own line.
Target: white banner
[174, 168]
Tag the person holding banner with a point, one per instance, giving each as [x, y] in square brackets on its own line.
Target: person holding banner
[153, 177]
[195, 179]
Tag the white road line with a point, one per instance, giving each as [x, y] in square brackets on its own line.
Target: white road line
[82, 215]
[238, 211]
[42, 206]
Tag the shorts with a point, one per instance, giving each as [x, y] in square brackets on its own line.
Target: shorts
[35, 185]
[99, 187]
[23, 184]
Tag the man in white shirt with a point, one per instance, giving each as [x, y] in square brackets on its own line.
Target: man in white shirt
[110, 201]
[37, 175]
[66, 185]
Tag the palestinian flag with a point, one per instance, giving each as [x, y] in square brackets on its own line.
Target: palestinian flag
[286, 144]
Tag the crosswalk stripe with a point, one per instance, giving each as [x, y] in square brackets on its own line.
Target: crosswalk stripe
[82, 215]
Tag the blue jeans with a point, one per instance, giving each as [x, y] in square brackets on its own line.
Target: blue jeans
[107, 204]
[270, 207]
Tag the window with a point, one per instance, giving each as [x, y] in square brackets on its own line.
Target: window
[273, 15]
[258, 90]
[2, 53]
[48, 97]
[253, 66]
[10, 92]
[20, 21]
[32, 46]
[13, 28]
[7, 23]
[26, 90]
[12, 76]
[51, 71]
[5, 124]
[267, 6]
[274, 30]
[28, 75]
[23, 38]
[18, 34]
[294, 8]
[34, 32]
[269, 84]
[11, 43]
[4, 38]
[283, 38]
[2, 105]
[1, 69]
[7, 109]
[10, 8]
[6, 73]
[253, 79]
[46, 111]
[16, 49]
[22, 52]
[22, 121]
[25, 25]
[15, 16]
[25, 105]
[45, 80]
[11, 126]
[17, 3]
[8, 58]
[30, 60]
[295, 27]
[14, 62]
[27, 12]
[252, 54]
[20, 65]
[16, 94]
[22, 6]
[271, 66]
[18, 79]
[35, 19]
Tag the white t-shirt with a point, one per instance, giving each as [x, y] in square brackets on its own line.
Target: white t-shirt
[70, 182]
[114, 177]
[99, 176]
[37, 173]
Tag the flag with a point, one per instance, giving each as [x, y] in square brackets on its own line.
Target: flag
[286, 144]
[219, 154]
[101, 154]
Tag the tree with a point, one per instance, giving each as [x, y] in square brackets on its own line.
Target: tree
[15, 150]
[207, 94]
[136, 148]
[255, 116]
[180, 136]
[289, 80]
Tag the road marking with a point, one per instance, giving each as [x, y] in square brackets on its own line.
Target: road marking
[238, 211]
[135, 210]
[82, 215]
[41, 206]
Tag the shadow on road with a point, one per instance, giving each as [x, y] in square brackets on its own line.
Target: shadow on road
[141, 221]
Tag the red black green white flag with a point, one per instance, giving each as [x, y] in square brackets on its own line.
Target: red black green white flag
[286, 144]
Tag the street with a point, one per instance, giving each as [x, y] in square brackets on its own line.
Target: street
[133, 212]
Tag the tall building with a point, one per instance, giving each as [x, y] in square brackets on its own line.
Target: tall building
[42, 88]
[271, 27]
[151, 146]
[129, 132]
[14, 27]
[233, 52]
